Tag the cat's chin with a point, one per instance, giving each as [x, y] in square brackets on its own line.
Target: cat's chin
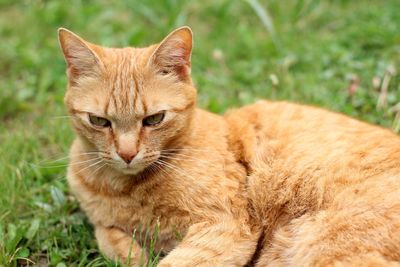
[131, 171]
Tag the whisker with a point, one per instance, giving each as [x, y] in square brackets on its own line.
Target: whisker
[60, 178]
[174, 167]
[186, 149]
[181, 156]
[60, 117]
[160, 168]
[75, 155]
[65, 165]
[186, 158]
[155, 168]
[189, 153]
[99, 168]
[91, 165]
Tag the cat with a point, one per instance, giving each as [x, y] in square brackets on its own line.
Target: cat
[268, 184]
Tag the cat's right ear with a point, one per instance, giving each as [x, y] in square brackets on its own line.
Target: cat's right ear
[80, 55]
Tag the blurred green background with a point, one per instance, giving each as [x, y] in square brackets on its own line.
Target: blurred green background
[342, 55]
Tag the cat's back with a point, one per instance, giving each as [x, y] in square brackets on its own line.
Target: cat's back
[308, 157]
[291, 129]
[312, 146]
[275, 117]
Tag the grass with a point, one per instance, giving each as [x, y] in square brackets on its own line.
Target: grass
[335, 54]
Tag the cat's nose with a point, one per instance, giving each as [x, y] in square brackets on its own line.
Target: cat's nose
[127, 156]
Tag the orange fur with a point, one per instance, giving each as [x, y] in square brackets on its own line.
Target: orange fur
[269, 184]
[326, 188]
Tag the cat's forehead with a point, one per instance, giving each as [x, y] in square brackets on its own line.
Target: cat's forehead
[124, 79]
[116, 59]
[129, 88]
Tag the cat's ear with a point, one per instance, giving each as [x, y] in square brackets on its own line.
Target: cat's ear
[80, 55]
[172, 56]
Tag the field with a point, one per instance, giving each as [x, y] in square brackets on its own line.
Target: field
[337, 54]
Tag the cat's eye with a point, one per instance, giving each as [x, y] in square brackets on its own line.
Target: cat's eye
[154, 119]
[99, 121]
[165, 71]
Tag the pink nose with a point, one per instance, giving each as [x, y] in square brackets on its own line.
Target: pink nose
[127, 156]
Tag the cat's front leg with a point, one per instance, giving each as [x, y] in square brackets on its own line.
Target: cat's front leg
[115, 244]
[226, 243]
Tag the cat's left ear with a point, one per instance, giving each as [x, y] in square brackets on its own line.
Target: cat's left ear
[172, 56]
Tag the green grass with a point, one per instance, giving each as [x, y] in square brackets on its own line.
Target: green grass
[310, 55]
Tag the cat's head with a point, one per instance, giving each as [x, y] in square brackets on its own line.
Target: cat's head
[129, 104]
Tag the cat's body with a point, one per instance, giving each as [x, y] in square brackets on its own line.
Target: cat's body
[271, 183]
[167, 196]
[325, 187]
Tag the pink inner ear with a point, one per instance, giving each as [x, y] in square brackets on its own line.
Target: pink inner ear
[78, 70]
[81, 60]
[173, 56]
[179, 60]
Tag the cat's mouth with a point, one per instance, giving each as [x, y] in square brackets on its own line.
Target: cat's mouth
[144, 160]
[138, 167]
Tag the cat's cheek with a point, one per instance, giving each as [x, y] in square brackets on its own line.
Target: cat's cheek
[110, 136]
[97, 138]
[84, 131]
[144, 136]
[110, 141]
[149, 140]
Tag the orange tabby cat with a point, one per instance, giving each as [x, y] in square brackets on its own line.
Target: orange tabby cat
[271, 183]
